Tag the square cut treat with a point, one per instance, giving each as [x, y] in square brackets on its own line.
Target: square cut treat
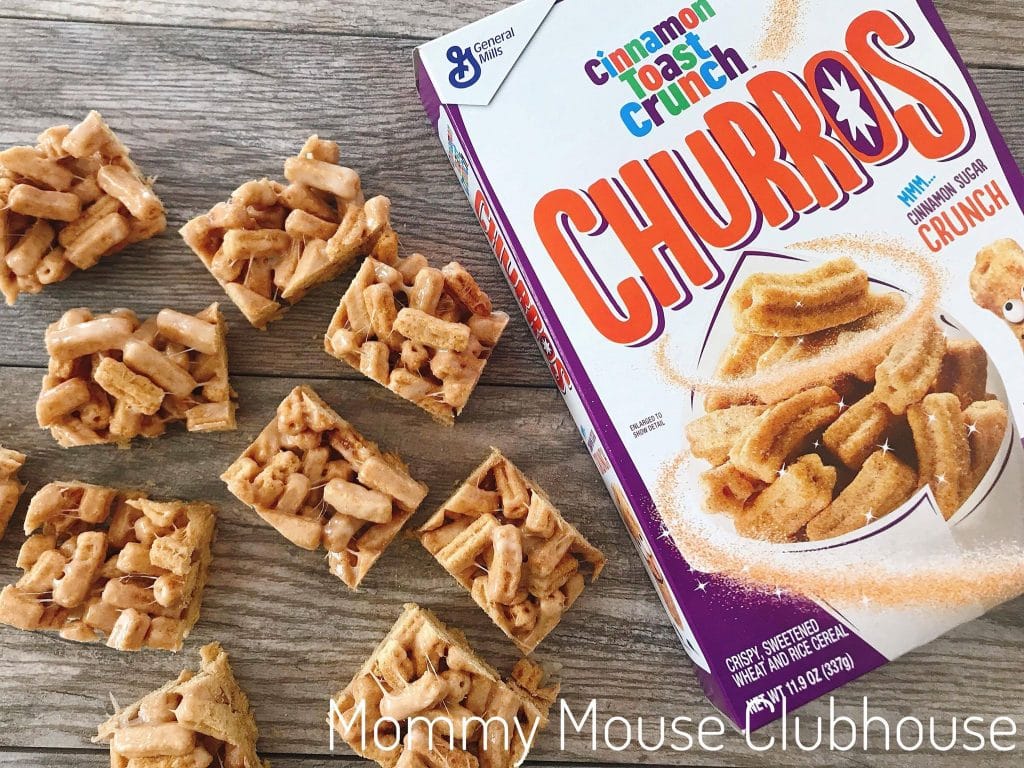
[102, 561]
[313, 477]
[271, 242]
[11, 463]
[200, 720]
[423, 333]
[502, 539]
[112, 378]
[67, 202]
[424, 678]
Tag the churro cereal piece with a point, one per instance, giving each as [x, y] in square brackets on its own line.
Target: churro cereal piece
[859, 431]
[964, 371]
[739, 360]
[270, 242]
[763, 448]
[200, 719]
[997, 283]
[781, 511]
[73, 199]
[112, 378]
[503, 540]
[10, 489]
[911, 367]
[712, 436]
[105, 562]
[423, 333]
[885, 310]
[426, 692]
[986, 422]
[883, 483]
[792, 349]
[319, 482]
[943, 454]
[833, 294]
[727, 490]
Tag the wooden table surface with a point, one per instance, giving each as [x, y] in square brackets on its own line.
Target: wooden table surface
[211, 93]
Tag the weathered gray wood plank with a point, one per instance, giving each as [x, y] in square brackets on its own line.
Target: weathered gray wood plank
[984, 32]
[295, 633]
[207, 109]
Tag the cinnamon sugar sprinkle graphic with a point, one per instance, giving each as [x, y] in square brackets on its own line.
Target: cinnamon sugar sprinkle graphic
[781, 30]
[984, 577]
[981, 576]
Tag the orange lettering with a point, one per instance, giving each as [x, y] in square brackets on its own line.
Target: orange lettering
[800, 126]
[935, 107]
[564, 205]
[755, 154]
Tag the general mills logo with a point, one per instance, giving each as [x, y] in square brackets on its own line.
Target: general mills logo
[466, 69]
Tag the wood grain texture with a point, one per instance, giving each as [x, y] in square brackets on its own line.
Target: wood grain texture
[205, 110]
[205, 103]
[984, 32]
[295, 634]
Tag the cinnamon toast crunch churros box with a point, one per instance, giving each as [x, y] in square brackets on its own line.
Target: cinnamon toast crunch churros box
[772, 254]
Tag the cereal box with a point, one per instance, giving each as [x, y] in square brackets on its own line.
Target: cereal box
[771, 252]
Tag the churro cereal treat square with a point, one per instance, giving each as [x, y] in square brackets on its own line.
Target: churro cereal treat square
[271, 242]
[423, 333]
[67, 202]
[112, 378]
[105, 562]
[319, 482]
[428, 695]
[202, 719]
[10, 489]
[504, 541]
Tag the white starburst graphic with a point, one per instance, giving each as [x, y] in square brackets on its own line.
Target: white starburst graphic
[849, 103]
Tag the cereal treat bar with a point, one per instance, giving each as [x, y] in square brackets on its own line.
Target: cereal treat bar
[503, 540]
[835, 456]
[200, 720]
[271, 242]
[10, 489]
[313, 477]
[423, 333]
[67, 202]
[103, 561]
[112, 378]
[425, 678]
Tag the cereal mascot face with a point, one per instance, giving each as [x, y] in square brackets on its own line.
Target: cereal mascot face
[997, 283]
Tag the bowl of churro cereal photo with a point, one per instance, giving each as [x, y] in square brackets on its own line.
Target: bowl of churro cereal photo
[842, 410]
